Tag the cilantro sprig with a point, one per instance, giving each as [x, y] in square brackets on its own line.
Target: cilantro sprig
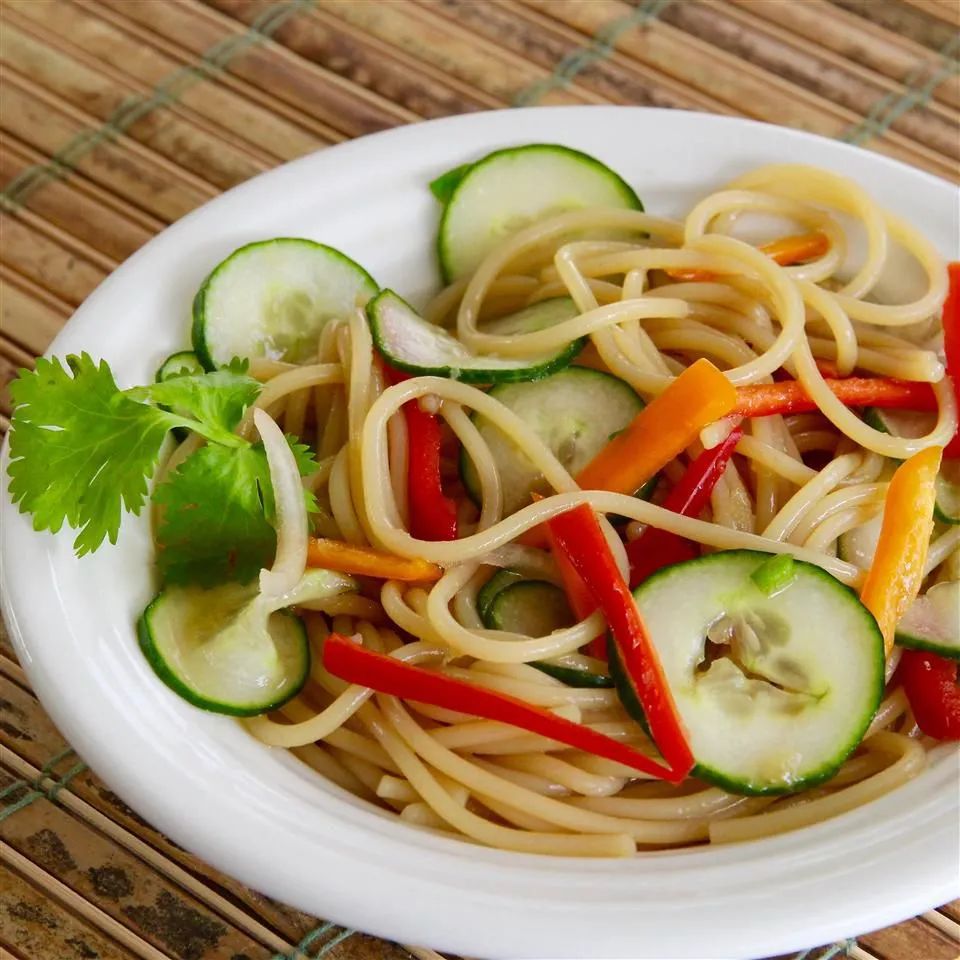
[216, 515]
[82, 452]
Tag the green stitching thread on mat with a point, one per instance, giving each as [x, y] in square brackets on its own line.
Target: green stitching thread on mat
[600, 47]
[38, 790]
[168, 91]
[842, 946]
[886, 111]
[300, 950]
[45, 771]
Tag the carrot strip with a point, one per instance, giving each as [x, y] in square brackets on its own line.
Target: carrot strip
[897, 571]
[787, 251]
[797, 248]
[665, 427]
[367, 562]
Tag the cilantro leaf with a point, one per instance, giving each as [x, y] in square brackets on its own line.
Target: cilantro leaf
[443, 187]
[215, 400]
[81, 449]
[306, 461]
[216, 513]
[306, 464]
[213, 527]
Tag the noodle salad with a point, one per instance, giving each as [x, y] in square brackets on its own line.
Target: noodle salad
[642, 533]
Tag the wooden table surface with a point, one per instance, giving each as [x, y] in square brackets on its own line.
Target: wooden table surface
[119, 116]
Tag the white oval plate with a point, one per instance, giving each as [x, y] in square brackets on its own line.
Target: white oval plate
[259, 814]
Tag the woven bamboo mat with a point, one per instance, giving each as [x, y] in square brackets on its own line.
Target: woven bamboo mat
[119, 116]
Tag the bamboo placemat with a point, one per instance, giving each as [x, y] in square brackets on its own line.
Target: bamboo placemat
[119, 116]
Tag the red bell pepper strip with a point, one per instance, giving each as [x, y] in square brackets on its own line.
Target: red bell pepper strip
[930, 683]
[789, 396]
[656, 548]
[578, 594]
[433, 515]
[829, 370]
[577, 533]
[351, 662]
[951, 346]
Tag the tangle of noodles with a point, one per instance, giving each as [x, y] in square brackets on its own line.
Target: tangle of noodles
[795, 484]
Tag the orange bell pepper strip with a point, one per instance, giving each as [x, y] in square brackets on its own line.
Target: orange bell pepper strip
[897, 571]
[367, 562]
[665, 427]
[787, 251]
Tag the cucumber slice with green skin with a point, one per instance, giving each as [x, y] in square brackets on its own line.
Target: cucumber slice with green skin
[488, 592]
[183, 363]
[912, 424]
[573, 677]
[899, 423]
[770, 704]
[947, 507]
[932, 621]
[509, 189]
[573, 412]
[272, 298]
[535, 608]
[531, 607]
[538, 316]
[230, 650]
[410, 343]
[182, 636]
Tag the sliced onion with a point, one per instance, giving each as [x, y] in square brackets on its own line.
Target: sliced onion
[291, 521]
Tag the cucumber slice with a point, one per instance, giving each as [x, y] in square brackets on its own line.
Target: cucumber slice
[509, 189]
[207, 646]
[947, 507]
[538, 316]
[574, 412]
[535, 608]
[933, 621]
[271, 299]
[410, 343]
[899, 423]
[573, 677]
[181, 364]
[532, 607]
[912, 424]
[769, 706]
[230, 650]
[488, 592]
[184, 363]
